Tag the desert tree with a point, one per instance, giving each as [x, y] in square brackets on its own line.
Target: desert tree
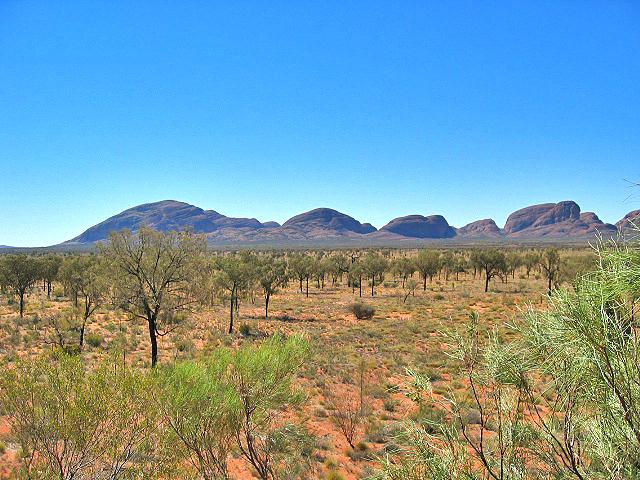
[271, 274]
[19, 272]
[85, 276]
[409, 287]
[71, 273]
[550, 264]
[427, 264]
[338, 265]
[404, 268]
[489, 261]
[356, 272]
[345, 414]
[460, 265]
[374, 265]
[447, 262]
[514, 261]
[231, 279]
[320, 269]
[152, 275]
[49, 267]
[301, 267]
[530, 261]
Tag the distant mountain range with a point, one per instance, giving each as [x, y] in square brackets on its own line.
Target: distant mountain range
[557, 222]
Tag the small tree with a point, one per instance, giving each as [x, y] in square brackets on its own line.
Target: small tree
[231, 279]
[85, 277]
[409, 289]
[530, 260]
[345, 414]
[151, 275]
[427, 264]
[489, 261]
[49, 267]
[356, 272]
[404, 268]
[301, 267]
[374, 265]
[271, 274]
[338, 265]
[19, 273]
[550, 263]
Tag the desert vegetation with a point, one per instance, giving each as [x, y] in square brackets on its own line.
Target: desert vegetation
[154, 356]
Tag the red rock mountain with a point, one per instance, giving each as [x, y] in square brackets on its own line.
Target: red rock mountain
[486, 228]
[630, 221]
[561, 221]
[417, 226]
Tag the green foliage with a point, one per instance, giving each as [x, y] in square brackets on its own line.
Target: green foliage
[94, 340]
[153, 275]
[427, 264]
[560, 401]
[245, 330]
[490, 261]
[202, 412]
[117, 422]
[19, 273]
[262, 377]
[73, 423]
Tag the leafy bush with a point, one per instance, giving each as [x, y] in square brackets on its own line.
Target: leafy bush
[245, 330]
[94, 340]
[362, 311]
[52, 402]
[573, 364]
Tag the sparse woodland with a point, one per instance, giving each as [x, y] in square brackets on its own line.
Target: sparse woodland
[156, 357]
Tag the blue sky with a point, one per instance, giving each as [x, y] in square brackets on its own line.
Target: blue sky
[268, 109]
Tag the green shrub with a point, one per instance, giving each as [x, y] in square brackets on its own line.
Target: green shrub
[245, 330]
[334, 475]
[94, 340]
[362, 311]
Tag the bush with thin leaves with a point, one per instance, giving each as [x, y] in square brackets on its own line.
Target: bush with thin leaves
[560, 401]
[74, 423]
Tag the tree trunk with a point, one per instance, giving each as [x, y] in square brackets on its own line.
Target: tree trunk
[21, 304]
[486, 283]
[424, 283]
[307, 287]
[266, 306]
[84, 323]
[373, 283]
[231, 311]
[154, 342]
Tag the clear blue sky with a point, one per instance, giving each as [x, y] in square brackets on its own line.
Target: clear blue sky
[267, 109]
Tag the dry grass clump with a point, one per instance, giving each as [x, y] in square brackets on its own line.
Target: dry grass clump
[362, 311]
